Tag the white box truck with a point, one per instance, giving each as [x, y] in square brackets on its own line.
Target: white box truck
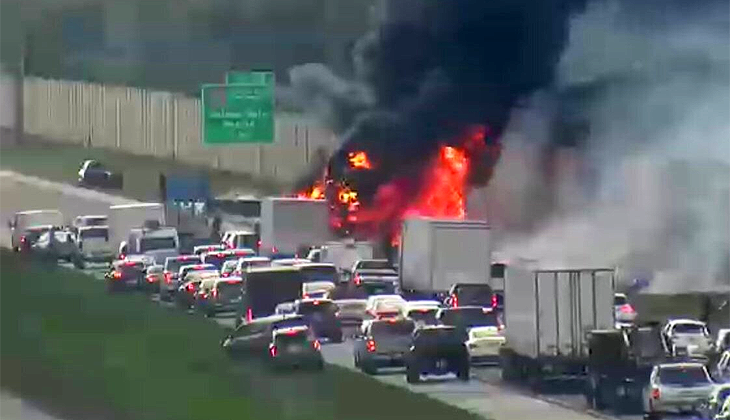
[291, 224]
[123, 218]
[437, 253]
[549, 314]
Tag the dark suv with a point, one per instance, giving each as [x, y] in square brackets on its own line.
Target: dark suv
[322, 317]
[437, 350]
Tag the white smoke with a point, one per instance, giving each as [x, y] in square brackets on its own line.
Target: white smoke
[648, 187]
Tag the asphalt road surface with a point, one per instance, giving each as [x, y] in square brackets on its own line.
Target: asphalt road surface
[483, 394]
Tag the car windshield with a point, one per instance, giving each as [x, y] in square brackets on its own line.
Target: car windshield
[683, 375]
[469, 317]
[689, 329]
[152, 244]
[100, 233]
[383, 329]
[620, 300]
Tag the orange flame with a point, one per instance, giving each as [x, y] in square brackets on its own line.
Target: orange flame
[359, 160]
[444, 193]
[315, 192]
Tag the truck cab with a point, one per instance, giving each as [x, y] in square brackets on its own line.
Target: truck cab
[158, 243]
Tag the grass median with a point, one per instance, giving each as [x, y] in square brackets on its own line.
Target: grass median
[60, 163]
[80, 352]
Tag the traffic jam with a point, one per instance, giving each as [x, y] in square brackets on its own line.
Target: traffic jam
[285, 288]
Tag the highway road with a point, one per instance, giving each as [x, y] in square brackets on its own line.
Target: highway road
[483, 394]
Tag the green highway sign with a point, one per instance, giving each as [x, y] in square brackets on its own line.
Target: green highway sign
[238, 113]
[257, 77]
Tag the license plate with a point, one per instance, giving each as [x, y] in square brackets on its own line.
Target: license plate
[295, 349]
[235, 300]
[441, 364]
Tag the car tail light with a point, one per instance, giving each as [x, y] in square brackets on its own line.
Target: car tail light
[370, 346]
[656, 393]
[23, 239]
[317, 345]
[274, 249]
[168, 278]
[117, 275]
[627, 309]
[220, 255]
[214, 293]
[122, 256]
[225, 274]
[198, 267]
[494, 301]
[190, 287]
[305, 296]
[273, 351]
[358, 280]
[150, 278]
[454, 300]
[130, 263]
[249, 315]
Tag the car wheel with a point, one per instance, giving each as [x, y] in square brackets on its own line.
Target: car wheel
[463, 373]
[412, 377]
[368, 368]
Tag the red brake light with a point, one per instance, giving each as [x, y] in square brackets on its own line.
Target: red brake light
[168, 277]
[122, 256]
[454, 300]
[150, 278]
[316, 302]
[198, 266]
[292, 332]
[358, 280]
[494, 301]
[23, 239]
[655, 393]
[117, 275]
[190, 287]
[627, 309]
[232, 282]
[370, 346]
[225, 274]
[214, 293]
[317, 345]
[274, 250]
[220, 255]
[130, 263]
[305, 296]
[272, 351]
[249, 315]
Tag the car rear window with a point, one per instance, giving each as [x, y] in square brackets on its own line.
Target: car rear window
[351, 306]
[374, 265]
[438, 337]
[100, 233]
[290, 322]
[151, 244]
[230, 288]
[322, 307]
[381, 329]
[620, 300]
[689, 329]
[424, 315]
[470, 317]
[685, 375]
[292, 338]
[474, 294]
[378, 288]
[321, 273]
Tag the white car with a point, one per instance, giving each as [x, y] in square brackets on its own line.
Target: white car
[625, 313]
[484, 343]
[22, 220]
[378, 300]
[351, 311]
[90, 220]
[422, 312]
[676, 387]
[687, 337]
[94, 245]
[317, 289]
[244, 264]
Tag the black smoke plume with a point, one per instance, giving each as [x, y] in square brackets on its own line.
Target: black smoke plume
[431, 70]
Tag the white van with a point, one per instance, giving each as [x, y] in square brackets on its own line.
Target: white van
[24, 219]
[94, 244]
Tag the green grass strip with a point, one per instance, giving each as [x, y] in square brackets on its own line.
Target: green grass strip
[82, 353]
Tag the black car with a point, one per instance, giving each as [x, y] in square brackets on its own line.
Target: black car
[125, 275]
[295, 347]
[322, 317]
[383, 344]
[93, 174]
[436, 350]
[466, 294]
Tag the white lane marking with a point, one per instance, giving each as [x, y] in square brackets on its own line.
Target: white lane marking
[66, 189]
